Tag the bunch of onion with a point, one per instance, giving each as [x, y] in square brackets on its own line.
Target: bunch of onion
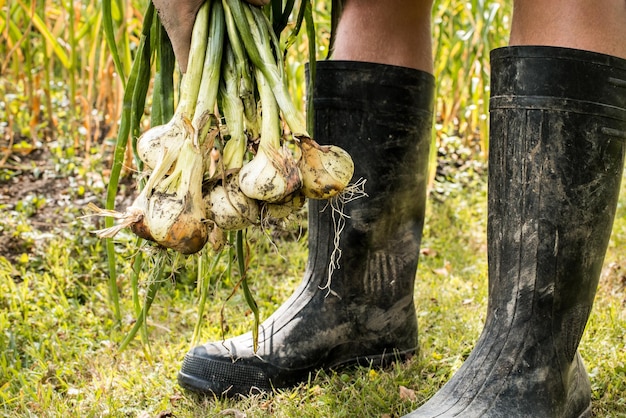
[190, 196]
[170, 209]
[324, 171]
[245, 188]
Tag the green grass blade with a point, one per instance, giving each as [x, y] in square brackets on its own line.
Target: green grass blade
[204, 282]
[118, 159]
[153, 288]
[109, 33]
[138, 262]
[241, 263]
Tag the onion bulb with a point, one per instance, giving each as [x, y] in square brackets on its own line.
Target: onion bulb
[291, 204]
[229, 208]
[271, 175]
[169, 210]
[173, 209]
[326, 170]
[174, 222]
[152, 143]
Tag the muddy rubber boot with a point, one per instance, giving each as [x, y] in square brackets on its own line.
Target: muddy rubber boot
[558, 135]
[382, 115]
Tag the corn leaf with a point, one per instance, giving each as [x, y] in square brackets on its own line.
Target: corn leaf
[47, 36]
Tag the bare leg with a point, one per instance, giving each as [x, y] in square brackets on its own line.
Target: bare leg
[395, 32]
[598, 26]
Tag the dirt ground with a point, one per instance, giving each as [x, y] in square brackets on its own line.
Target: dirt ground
[40, 194]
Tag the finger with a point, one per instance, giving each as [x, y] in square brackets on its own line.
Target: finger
[178, 18]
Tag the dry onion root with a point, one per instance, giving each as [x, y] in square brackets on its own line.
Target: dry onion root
[190, 197]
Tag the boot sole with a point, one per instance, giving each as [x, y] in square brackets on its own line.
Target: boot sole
[229, 379]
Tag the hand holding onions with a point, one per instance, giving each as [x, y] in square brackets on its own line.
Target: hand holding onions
[233, 90]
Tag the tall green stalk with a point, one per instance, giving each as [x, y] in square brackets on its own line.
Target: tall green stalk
[73, 61]
[153, 287]
[203, 283]
[310, 31]
[135, 85]
[109, 32]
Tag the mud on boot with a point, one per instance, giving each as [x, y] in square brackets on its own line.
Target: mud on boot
[382, 115]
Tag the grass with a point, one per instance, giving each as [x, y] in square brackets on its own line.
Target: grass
[59, 345]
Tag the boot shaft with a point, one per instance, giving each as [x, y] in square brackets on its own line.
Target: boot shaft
[558, 133]
[558, 128]
[381, 115]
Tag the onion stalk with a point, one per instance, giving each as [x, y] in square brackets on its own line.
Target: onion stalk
[244, 74]
[258, 38]
[210, 69]
[233, 111]
[226, 205]
[273, 174]
[325, 170]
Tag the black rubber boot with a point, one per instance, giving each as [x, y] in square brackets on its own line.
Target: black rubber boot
[558, 135]
[382, 115]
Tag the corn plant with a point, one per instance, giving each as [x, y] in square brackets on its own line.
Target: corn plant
[464, 32]
[61, 72]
